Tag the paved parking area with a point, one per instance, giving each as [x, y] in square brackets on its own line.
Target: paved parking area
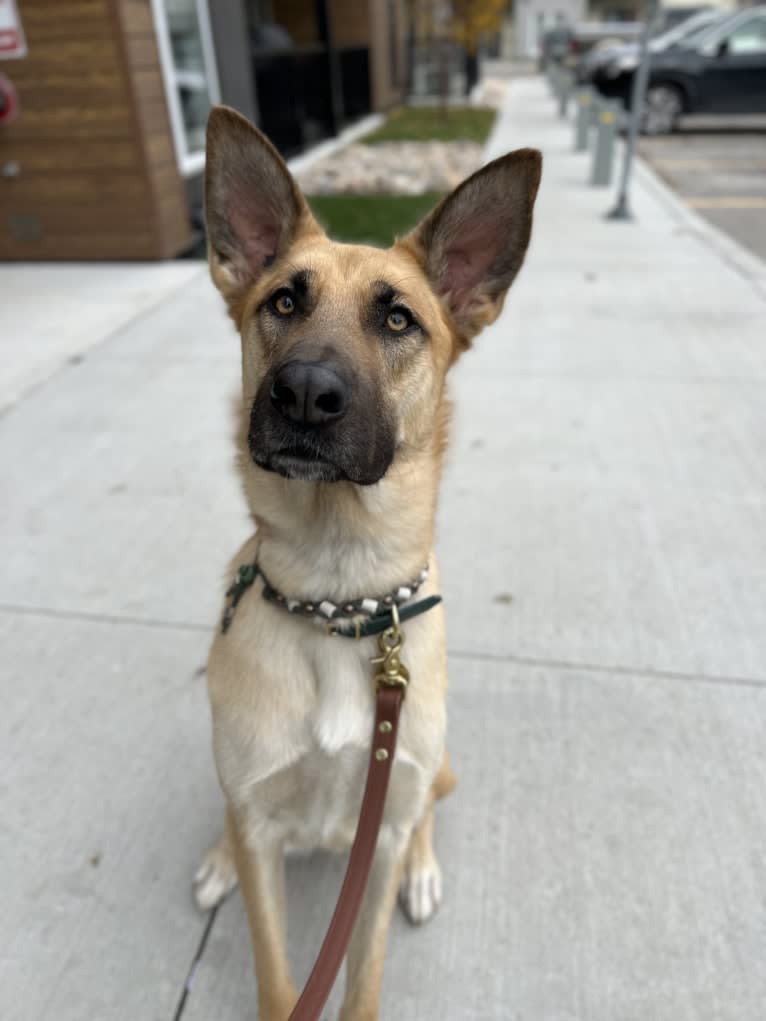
[720, 171]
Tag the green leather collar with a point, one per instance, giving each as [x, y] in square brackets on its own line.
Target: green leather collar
[356, 619]
[375, 625]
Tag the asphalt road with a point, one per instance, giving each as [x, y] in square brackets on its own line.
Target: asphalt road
[719, 170]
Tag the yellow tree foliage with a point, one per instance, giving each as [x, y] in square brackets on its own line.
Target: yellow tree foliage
[472, 18]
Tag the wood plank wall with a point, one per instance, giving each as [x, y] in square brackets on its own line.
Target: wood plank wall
[351, 23]
[98, 176]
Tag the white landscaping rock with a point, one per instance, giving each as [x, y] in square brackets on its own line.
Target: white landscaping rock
[394, 168]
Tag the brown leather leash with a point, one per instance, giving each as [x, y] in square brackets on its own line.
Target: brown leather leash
[325, 971]
[391, 682]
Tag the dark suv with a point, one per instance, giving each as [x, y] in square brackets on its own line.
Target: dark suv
[723, 71]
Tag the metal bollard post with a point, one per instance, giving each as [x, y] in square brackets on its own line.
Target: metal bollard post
[565, 93]
[621, 210]
[606, 135]
[553, 78]
[595, 107]
[582, 123]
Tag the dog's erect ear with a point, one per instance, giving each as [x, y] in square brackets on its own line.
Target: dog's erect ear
[253, 207]
[473, 243]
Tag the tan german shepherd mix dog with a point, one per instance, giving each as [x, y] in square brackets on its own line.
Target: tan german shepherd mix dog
[345, 349]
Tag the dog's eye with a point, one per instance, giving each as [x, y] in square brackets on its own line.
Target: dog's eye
[398, 319]
[283, 303]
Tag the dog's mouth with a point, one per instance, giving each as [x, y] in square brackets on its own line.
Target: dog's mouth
[303, 465]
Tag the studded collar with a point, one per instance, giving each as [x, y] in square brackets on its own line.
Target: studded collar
[354, 618]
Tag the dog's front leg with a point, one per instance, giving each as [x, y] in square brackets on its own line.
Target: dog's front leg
[367, 950]
[261, 870]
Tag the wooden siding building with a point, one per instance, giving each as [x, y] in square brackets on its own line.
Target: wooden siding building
[105, 157]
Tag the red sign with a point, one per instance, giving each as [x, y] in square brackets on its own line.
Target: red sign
[12, 41]
[9, 100]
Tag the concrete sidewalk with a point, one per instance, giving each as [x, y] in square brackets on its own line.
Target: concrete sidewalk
[604, 565]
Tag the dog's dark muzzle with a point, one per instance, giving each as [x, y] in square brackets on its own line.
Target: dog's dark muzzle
[315, 421]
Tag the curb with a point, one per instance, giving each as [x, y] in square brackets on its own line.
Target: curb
[731, 252]
[307, 159]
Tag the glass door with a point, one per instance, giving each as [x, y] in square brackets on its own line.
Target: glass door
[188, 67]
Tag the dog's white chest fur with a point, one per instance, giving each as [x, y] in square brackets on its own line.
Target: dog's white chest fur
[332, 769]
[300, 772]
[343, 714]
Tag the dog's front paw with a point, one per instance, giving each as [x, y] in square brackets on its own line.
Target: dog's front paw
[216, 877]
[420, 893]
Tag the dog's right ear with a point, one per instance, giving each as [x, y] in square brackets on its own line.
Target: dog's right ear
[254, 210]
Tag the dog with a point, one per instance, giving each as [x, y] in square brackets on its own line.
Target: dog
[345, 352]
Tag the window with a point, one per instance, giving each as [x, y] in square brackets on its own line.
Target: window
[188, 68]
[749, 37]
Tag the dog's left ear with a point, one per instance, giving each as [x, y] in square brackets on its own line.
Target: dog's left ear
[473, 244]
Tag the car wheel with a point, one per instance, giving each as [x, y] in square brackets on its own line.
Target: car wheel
[663, 106]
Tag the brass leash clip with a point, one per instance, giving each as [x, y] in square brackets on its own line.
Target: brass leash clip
[393, 673]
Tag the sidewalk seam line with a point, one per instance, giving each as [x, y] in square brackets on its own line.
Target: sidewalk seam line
[486, 657]
[601, 668]
[191, 974]
[104, 618]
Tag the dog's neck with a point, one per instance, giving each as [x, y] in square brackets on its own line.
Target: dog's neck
[340, 540]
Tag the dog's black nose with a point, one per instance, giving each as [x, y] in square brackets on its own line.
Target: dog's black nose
[309, 393]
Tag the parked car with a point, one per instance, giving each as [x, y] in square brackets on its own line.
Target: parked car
[590, 35]
[721, 71]
[672, 16]
[626, 54]
[566, 44]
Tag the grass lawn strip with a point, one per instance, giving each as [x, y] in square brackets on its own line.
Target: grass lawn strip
[370, 219]
[433, 123]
